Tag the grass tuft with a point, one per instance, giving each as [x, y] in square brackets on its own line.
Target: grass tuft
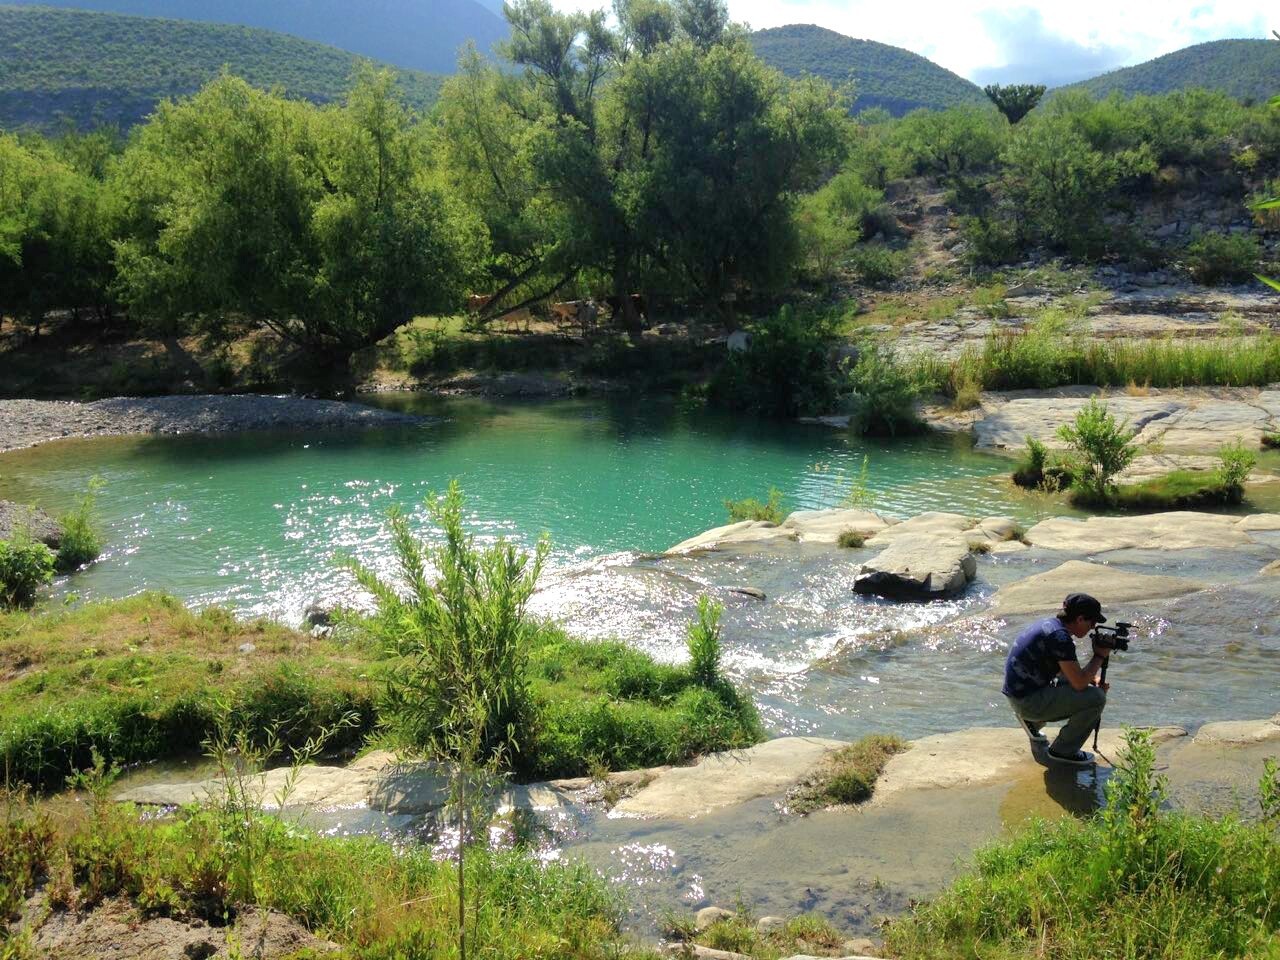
[847, 776]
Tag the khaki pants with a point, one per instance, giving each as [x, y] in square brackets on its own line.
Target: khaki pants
[1082, 709]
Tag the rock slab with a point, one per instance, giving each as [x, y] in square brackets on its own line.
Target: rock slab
[1044, 592]
[918, 567]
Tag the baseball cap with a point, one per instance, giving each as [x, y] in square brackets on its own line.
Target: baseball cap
[1082, 605]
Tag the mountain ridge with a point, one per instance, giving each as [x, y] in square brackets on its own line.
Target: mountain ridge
[90, 68]
[1245, 68]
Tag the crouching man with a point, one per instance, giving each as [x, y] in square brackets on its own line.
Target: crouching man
[1044, 681]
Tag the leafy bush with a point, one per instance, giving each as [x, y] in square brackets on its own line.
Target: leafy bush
[785, 372]
[25, 566]
[81, 540]
[752, 509]
[1104, 448]
[876, 265]
[989, 241]
[1030, 470]
[835, 218]
[703, 638]
[459, 685]
[884, 393]
[1214, 258]
[1235, 465]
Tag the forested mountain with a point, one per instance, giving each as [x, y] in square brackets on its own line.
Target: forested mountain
[884, 76]
[416, 34]
[1245, 69]
[92, 68]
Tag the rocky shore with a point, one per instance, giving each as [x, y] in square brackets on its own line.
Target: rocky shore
[28, 423]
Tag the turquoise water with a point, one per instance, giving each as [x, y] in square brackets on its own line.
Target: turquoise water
[256, 521]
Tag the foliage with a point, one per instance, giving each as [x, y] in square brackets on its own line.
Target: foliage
[1235, 465]
[752, 509]
[1015, 100]
[833, 219]
[81, 538]
[846, 776]
[876, 264]
[1177, 490]
[459, 683]
[850, 540]
[784, 372]
[1241, 69]
[353, 236]
[703, 639]
[92, 68]
[989, 241]
[375, 899]
[1214, 258]
[860, 495]
[883, 393]
[1103, 446]
[25, 566]
[1030, 472]
[946, 143]
[144, 678]
[802, 935]
[1158, 883]
[886, 77]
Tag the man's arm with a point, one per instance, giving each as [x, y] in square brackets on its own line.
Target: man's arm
[1082, 679]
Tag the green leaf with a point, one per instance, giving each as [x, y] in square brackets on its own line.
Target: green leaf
[1272, 204]
[1273, 284]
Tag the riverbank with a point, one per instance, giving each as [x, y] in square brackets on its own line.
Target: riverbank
[28, 423]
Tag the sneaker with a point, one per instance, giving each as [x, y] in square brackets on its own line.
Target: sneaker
[1033, 732]
[1080, 758]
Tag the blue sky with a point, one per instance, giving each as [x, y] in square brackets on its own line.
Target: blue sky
[1034, 42]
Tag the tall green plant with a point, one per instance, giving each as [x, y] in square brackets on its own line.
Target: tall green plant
[81, 538]
[703, 638]
[459, 688]
[25, 566]
[884, 393]
[1103, 446]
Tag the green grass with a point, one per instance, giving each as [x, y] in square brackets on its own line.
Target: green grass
[770, 511]
[804, 935]
[141, 679]
[1179, 490]
[376, 900]
[1136, 882]
[847, 776]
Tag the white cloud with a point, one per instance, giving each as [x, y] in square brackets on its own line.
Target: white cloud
[991, 40]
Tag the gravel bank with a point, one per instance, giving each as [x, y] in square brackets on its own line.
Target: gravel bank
[27, 423]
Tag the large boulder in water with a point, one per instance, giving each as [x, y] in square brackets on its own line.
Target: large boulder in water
[918, 567]
[41, 527]
[826, 526]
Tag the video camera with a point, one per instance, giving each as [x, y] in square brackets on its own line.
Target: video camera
[1113, 638]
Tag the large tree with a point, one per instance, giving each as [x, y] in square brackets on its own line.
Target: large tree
[324, 224]
[655, 151]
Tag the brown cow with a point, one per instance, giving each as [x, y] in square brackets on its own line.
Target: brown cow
[478, 301]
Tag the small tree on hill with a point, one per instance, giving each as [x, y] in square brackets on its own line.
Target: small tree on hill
[1016, 100]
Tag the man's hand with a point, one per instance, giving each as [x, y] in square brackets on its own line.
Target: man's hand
[1102, 652]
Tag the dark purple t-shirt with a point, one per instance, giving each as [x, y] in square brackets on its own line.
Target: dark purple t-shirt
[1033, 662]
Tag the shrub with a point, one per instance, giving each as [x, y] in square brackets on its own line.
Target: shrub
[1214, 258]
[1104, 448]
[25, 566]
[835, 218]
[860, 495]
[784, 372]
[459, 686]
[1030, 470]
[752, 509]
[1235, 465]
[1015, 100]
[703, 636]
[876, 265]
[989, 241]
[883, 394]
[81, 540]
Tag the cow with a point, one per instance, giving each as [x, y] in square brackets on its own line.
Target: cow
[478, 301]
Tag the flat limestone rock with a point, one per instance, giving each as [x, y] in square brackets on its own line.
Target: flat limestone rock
[918, 567]
[724, 779]
[825, 526]
[320, 786]
[745, 531]
[977, 757]
[934, 524]
[1239, 731]
[1174, 530]
[1007, 426]
[1042, 594]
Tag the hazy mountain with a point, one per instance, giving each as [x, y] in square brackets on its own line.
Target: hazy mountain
[89, 68]
[1247, 69]
[884, 76]
[418, 34]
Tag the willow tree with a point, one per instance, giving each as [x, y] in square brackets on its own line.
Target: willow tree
[652, 151]
[325, 225]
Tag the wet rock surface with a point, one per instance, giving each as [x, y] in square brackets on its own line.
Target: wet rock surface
[26, 423]
[1043, 592]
